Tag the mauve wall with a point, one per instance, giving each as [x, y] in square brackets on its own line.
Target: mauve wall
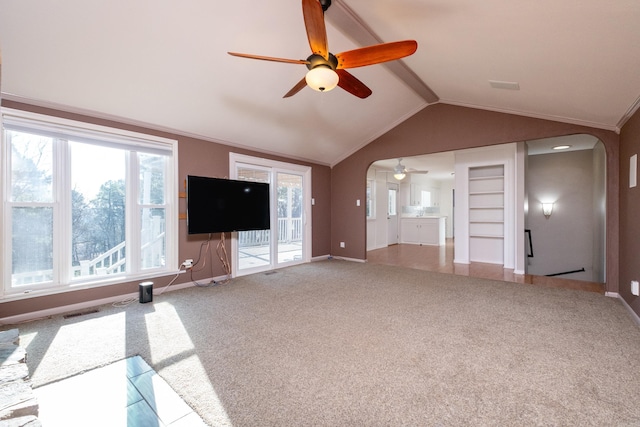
[629, 208]
[443, 127]
[196, 157]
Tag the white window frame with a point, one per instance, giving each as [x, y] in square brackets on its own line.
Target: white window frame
[114, 137]
[371, 198]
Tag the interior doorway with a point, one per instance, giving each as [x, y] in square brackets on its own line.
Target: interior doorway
[392, 214]
[543, 231]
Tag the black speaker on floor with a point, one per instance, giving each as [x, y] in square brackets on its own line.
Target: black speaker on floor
[146, 292]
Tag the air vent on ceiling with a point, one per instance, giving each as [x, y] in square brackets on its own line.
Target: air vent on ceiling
[496, 84]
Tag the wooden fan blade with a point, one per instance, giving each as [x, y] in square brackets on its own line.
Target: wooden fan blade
[376, 54]
[316, 30]
[297, 88]
[269, 58]
[352, 85]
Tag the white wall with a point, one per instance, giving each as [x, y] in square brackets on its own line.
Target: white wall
[446, 205]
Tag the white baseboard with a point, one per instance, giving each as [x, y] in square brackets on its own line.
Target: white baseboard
[633, 314]
[326, 257]
[350, 259]
[41, 314]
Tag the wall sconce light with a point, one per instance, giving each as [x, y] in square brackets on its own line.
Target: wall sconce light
[547, 209]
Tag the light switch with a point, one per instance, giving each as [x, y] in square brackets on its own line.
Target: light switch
[358, 202]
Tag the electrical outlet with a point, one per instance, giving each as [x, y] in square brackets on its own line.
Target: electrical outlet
[635, 288]
[342, 245]
[188, 263]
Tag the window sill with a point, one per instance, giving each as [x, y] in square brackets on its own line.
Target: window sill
[55, 290]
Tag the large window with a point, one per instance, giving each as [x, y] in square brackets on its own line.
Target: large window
[84, 205]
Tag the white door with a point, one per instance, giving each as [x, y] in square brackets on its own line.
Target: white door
[392, 214]
[288, 241]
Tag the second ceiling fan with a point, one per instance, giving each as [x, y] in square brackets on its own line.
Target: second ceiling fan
[326, 70]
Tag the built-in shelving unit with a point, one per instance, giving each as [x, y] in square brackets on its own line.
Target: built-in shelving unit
[486, 214]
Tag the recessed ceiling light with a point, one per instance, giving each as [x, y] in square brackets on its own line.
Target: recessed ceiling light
[496, 84]
[561, 147]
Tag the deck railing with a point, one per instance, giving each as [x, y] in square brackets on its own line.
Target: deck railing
[110, 262]
[289, 230]
[114, 260]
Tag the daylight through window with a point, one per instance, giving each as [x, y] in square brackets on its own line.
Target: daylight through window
[84, 204]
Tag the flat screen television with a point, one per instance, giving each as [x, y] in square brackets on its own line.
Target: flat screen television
[216, 205]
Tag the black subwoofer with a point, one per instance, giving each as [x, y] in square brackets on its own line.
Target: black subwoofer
[145, 290]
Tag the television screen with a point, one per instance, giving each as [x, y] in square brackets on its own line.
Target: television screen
[216, 205]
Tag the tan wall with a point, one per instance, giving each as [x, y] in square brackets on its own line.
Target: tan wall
[629, 208]
[196, 157]
[442, 127]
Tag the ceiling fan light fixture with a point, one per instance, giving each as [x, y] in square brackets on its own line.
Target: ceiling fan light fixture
[322, 78]
[399, 172]
[399, 176]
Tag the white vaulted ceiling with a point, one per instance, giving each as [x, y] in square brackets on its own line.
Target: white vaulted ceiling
[164, 64]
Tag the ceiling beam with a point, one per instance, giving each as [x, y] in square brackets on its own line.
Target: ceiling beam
[345, 20]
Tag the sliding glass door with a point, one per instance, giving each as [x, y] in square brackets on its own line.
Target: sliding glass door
[254, 247]
[290, 222]
[287, 242]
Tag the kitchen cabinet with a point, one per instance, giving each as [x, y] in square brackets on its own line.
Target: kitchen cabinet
[423, 230]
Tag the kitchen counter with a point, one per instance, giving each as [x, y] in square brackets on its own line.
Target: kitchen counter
[422, 230]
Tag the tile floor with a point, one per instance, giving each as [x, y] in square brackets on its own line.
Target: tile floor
[125, 393]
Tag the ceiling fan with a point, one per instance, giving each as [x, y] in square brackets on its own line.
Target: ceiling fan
[400, 171]
[326, 70]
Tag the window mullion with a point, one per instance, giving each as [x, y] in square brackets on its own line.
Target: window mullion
[132, 217]
[62, 213]
[5, 216]
[171, 212]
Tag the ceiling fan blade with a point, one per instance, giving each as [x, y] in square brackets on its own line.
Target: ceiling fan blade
[316, 30]
[297, 88]
[352, 85]
[269, 58]
[376, 54]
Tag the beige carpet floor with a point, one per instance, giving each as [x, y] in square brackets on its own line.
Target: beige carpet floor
[336, 343]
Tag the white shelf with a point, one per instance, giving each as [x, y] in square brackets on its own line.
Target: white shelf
[482, 178]
[474, 193]
[486, 214]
